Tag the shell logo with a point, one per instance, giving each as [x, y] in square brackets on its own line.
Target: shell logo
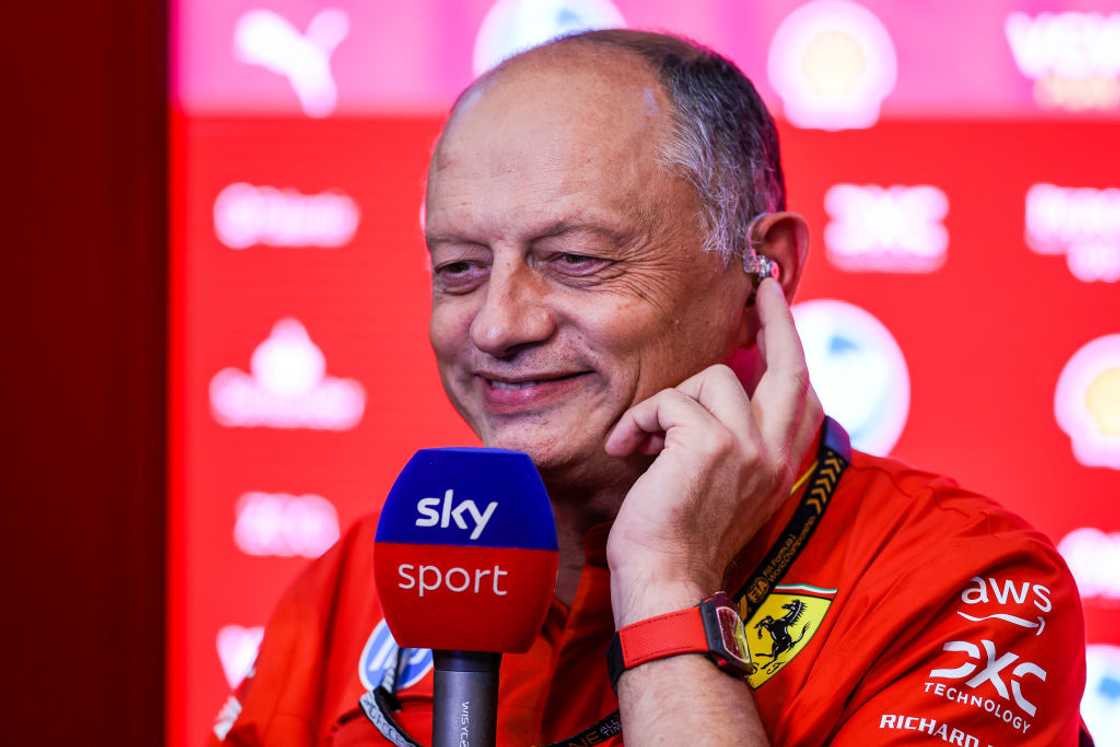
[832, 62]
[513, 26]
[1087, 402]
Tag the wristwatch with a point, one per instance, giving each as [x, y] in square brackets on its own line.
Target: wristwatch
[713, 628]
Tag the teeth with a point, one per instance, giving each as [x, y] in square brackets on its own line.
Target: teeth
[509, 385]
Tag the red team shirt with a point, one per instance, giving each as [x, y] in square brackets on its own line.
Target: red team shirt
[917, 613]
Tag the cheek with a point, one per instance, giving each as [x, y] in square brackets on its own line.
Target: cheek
[626, 338]
[652, 351]
[448, 331]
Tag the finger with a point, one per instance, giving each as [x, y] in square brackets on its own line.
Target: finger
[721, 393]
[652, 445]
[779, 399]
[655, 416]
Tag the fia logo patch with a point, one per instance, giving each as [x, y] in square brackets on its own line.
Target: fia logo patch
[783, 625]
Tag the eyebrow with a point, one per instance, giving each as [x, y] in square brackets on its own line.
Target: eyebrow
[562, 227]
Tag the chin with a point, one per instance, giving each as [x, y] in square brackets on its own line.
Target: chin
[566, 462]
[544, 448]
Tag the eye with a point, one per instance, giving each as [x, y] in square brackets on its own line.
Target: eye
[454, 268]
[572, 263]
[459, 276]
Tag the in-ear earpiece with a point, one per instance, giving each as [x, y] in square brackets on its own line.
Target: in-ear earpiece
[756, 264]
[760, 267]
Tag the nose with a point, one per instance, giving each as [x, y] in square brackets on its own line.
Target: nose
[515, 313]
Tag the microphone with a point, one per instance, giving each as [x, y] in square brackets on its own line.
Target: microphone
[465, 563]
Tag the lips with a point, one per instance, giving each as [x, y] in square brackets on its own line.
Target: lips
[509, 395]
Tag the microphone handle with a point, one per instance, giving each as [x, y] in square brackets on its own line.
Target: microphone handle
[466, 699]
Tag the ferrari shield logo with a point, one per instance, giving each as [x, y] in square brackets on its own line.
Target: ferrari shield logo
[783, 625]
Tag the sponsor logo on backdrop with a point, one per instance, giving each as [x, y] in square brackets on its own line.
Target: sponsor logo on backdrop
[246, 215]
[1080, 222]
[269, 40]
[783, 625]
[237, 650]
[1006, 600]
[944, 731]
[1100, 705]
[1093, 558]
[513, 26]
[832, 62]
[288, 388]
[284, 525]
[985, 672]
[381, 652]
[226, 717]
[1087, 402]
[857, 370]
[886, 229]
[1071, 57]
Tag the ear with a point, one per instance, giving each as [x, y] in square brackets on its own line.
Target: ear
[784, 238]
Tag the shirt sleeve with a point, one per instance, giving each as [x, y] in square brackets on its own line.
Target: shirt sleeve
[277, 702]
[993, 658]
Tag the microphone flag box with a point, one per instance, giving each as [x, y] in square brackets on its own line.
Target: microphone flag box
[465, 556]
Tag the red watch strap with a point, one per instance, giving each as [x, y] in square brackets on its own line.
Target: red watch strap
[680, 632]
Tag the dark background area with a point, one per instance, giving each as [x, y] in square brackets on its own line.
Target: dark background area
[84, 359]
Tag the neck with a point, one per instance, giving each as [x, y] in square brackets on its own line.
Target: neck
[577, 511]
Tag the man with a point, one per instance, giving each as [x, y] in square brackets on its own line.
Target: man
[591, 207]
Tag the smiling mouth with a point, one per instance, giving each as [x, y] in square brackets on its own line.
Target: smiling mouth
[510, 396]
[520, 384]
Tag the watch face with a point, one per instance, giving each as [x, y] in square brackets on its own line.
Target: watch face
[733, 635]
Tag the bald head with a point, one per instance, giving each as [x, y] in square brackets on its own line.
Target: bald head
[602, 107]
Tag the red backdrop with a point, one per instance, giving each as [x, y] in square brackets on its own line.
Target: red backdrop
[985, 337]
[965, 287]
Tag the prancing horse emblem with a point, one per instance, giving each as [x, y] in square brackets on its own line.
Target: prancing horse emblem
[779, 631]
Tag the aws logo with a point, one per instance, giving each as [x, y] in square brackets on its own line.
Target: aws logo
[783, 625]
[1007, 593]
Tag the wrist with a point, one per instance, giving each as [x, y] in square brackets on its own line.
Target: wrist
[637, 600]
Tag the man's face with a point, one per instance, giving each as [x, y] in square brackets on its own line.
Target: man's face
[568, 279]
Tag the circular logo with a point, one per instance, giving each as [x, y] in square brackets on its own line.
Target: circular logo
[832, 62]
[379, 654]
[512, 26]
[1087, 402]
[1100, 705]
[857, 370]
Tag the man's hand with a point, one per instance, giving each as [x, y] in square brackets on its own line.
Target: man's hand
[725, 462]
